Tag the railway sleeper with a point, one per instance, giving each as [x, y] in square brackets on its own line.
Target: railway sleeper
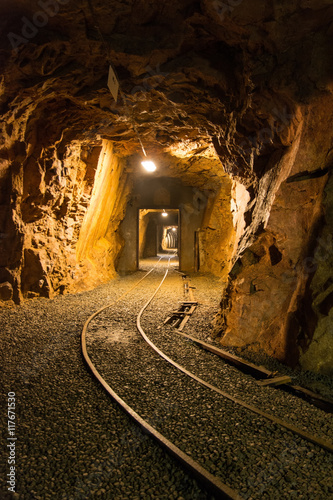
[179, 318]
[267, 377]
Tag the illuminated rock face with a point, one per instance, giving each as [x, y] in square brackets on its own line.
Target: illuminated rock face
[230, 99]
[99, 242]
[46, 201]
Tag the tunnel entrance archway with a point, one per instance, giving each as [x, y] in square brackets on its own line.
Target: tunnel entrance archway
[159, 233]
[151, 194]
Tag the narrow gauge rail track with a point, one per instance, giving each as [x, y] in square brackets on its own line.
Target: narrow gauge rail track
[312, 439]
[219, 489]
[263, 374]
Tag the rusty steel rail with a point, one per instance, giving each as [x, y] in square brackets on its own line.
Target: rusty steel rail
[212, 483]
[261, 372]
[327, 445]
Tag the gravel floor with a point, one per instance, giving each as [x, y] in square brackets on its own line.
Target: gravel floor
[73, 442]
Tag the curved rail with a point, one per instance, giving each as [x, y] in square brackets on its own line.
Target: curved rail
[312, 439]
[212, 483]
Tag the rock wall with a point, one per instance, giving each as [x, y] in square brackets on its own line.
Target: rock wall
[247, 82]
[217, 234]
[99, 242]
[272, 302]
[44, 202]
[46, 199]
[317, 348]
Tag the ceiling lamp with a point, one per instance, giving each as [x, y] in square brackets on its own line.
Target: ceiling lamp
[149, 165]
[164, 214]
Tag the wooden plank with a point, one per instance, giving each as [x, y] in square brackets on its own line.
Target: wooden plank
[250, 367]
[188, 290]
[187, 317]
[284, 379]
[178, 313]
[183, 323]
[311, 394]
[313, 439]
[312, 397]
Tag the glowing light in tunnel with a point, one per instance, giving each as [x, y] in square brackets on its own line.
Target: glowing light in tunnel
[149, 165]
[164, 214]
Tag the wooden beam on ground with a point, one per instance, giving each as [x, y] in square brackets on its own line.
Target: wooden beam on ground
[178, 313]
[258, 371]
[284, 379]
[312, 397]
[187, 317]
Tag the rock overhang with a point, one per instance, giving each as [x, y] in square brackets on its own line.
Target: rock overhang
[230, 98]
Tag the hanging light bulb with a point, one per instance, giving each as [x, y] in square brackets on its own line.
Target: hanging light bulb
[149, 165]
[164, 214]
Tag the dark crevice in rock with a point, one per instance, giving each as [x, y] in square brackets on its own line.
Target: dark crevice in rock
[326, 305]
[275, 255]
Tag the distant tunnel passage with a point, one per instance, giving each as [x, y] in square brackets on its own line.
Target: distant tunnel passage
[170, 238]
[158, 232]
[159, 203]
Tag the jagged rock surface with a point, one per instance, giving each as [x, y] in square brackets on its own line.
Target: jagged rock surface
[248, 83]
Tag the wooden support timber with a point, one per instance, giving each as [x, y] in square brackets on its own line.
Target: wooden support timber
[284, 379]
[180, 318]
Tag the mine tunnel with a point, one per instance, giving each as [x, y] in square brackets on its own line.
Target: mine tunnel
[190, 141]
[158, 232]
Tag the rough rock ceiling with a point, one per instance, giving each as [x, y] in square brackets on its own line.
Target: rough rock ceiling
[191, 72]
[231, 96]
